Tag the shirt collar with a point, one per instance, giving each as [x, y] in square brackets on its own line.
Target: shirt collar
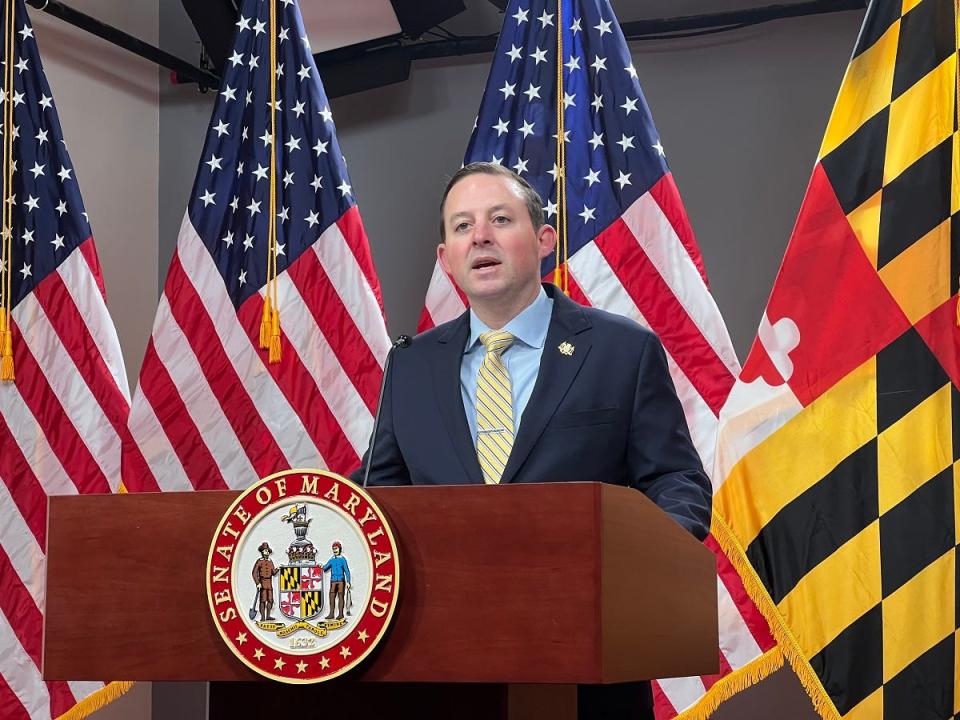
[529, 327]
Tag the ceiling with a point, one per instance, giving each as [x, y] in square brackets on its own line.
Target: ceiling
[336, 24]
[331, 25]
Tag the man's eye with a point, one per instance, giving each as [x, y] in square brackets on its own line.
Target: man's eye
[501, 219]
[461, 227]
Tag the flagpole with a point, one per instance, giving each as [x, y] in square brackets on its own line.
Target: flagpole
[956, 110]
[560, 275]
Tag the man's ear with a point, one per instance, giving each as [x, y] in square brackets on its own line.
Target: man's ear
[547, 240]
[442, 257]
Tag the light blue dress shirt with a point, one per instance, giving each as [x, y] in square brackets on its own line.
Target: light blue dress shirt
[522, 359]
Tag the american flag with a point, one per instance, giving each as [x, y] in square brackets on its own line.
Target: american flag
[630, 248]
[210, 411]
[63, 418]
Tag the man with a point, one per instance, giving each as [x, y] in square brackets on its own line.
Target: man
[529, 386]
[339, 577]
[263, 572]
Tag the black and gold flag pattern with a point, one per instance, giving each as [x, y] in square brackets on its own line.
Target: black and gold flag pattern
[289, 578]
[840, 443]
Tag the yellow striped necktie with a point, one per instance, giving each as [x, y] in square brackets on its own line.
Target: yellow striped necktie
[494, 407]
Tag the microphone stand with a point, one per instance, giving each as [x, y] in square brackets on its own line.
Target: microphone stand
[402, 341]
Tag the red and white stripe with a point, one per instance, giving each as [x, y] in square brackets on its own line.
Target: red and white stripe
[210, 412]
[646, 266]
[62, 423]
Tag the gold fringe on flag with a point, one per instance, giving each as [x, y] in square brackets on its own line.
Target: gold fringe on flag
[786, 640]
[729, 685]
[95, 701]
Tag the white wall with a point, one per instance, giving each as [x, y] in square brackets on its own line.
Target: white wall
[108, 102]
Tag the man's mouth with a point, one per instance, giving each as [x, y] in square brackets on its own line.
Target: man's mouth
[482, 263]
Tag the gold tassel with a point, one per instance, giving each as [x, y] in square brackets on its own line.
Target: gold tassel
[274, 356]
[6, 364]
[265, 324]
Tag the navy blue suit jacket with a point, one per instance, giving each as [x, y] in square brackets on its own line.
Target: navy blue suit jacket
[607, 412]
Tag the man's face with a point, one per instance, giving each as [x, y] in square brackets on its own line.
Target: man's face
[336, 549]
[265, 552]
[491, 248]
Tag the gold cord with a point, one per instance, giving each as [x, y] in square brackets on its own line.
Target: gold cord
[270, 320]
[6, 307]
[561, 273]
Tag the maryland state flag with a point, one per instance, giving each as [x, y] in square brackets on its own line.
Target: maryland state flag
[839, 443]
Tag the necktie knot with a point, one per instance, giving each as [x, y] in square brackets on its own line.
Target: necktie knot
[496, 341]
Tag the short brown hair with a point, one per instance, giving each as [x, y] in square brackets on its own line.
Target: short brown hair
[531, 198]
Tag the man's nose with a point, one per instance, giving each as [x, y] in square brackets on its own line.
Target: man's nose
[482, 233]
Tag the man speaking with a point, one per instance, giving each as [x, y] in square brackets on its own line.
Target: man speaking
[529, 386]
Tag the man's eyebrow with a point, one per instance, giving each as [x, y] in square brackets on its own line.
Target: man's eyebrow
[468, 214]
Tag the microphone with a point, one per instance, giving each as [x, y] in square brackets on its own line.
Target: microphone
[402, 341]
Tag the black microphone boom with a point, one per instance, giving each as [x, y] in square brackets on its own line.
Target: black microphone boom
[402, 341]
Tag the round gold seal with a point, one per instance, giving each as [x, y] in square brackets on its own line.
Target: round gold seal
[302, 576]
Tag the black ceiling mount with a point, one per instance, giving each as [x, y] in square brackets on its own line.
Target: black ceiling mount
[182, 70]
[215, 23]
[416, 16]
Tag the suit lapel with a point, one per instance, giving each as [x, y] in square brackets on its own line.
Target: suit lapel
[568, 324]
[446, 386]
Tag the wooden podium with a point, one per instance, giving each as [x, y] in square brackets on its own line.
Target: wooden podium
[559, 584]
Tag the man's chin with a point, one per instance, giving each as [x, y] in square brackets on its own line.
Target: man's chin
[483, 281]
[485, 291]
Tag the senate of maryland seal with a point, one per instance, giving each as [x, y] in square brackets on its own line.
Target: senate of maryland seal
[302, 576]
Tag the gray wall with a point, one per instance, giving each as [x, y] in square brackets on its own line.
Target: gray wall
[107, 101]
[183, 119]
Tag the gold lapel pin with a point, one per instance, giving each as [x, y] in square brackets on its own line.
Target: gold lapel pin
[565, 348]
